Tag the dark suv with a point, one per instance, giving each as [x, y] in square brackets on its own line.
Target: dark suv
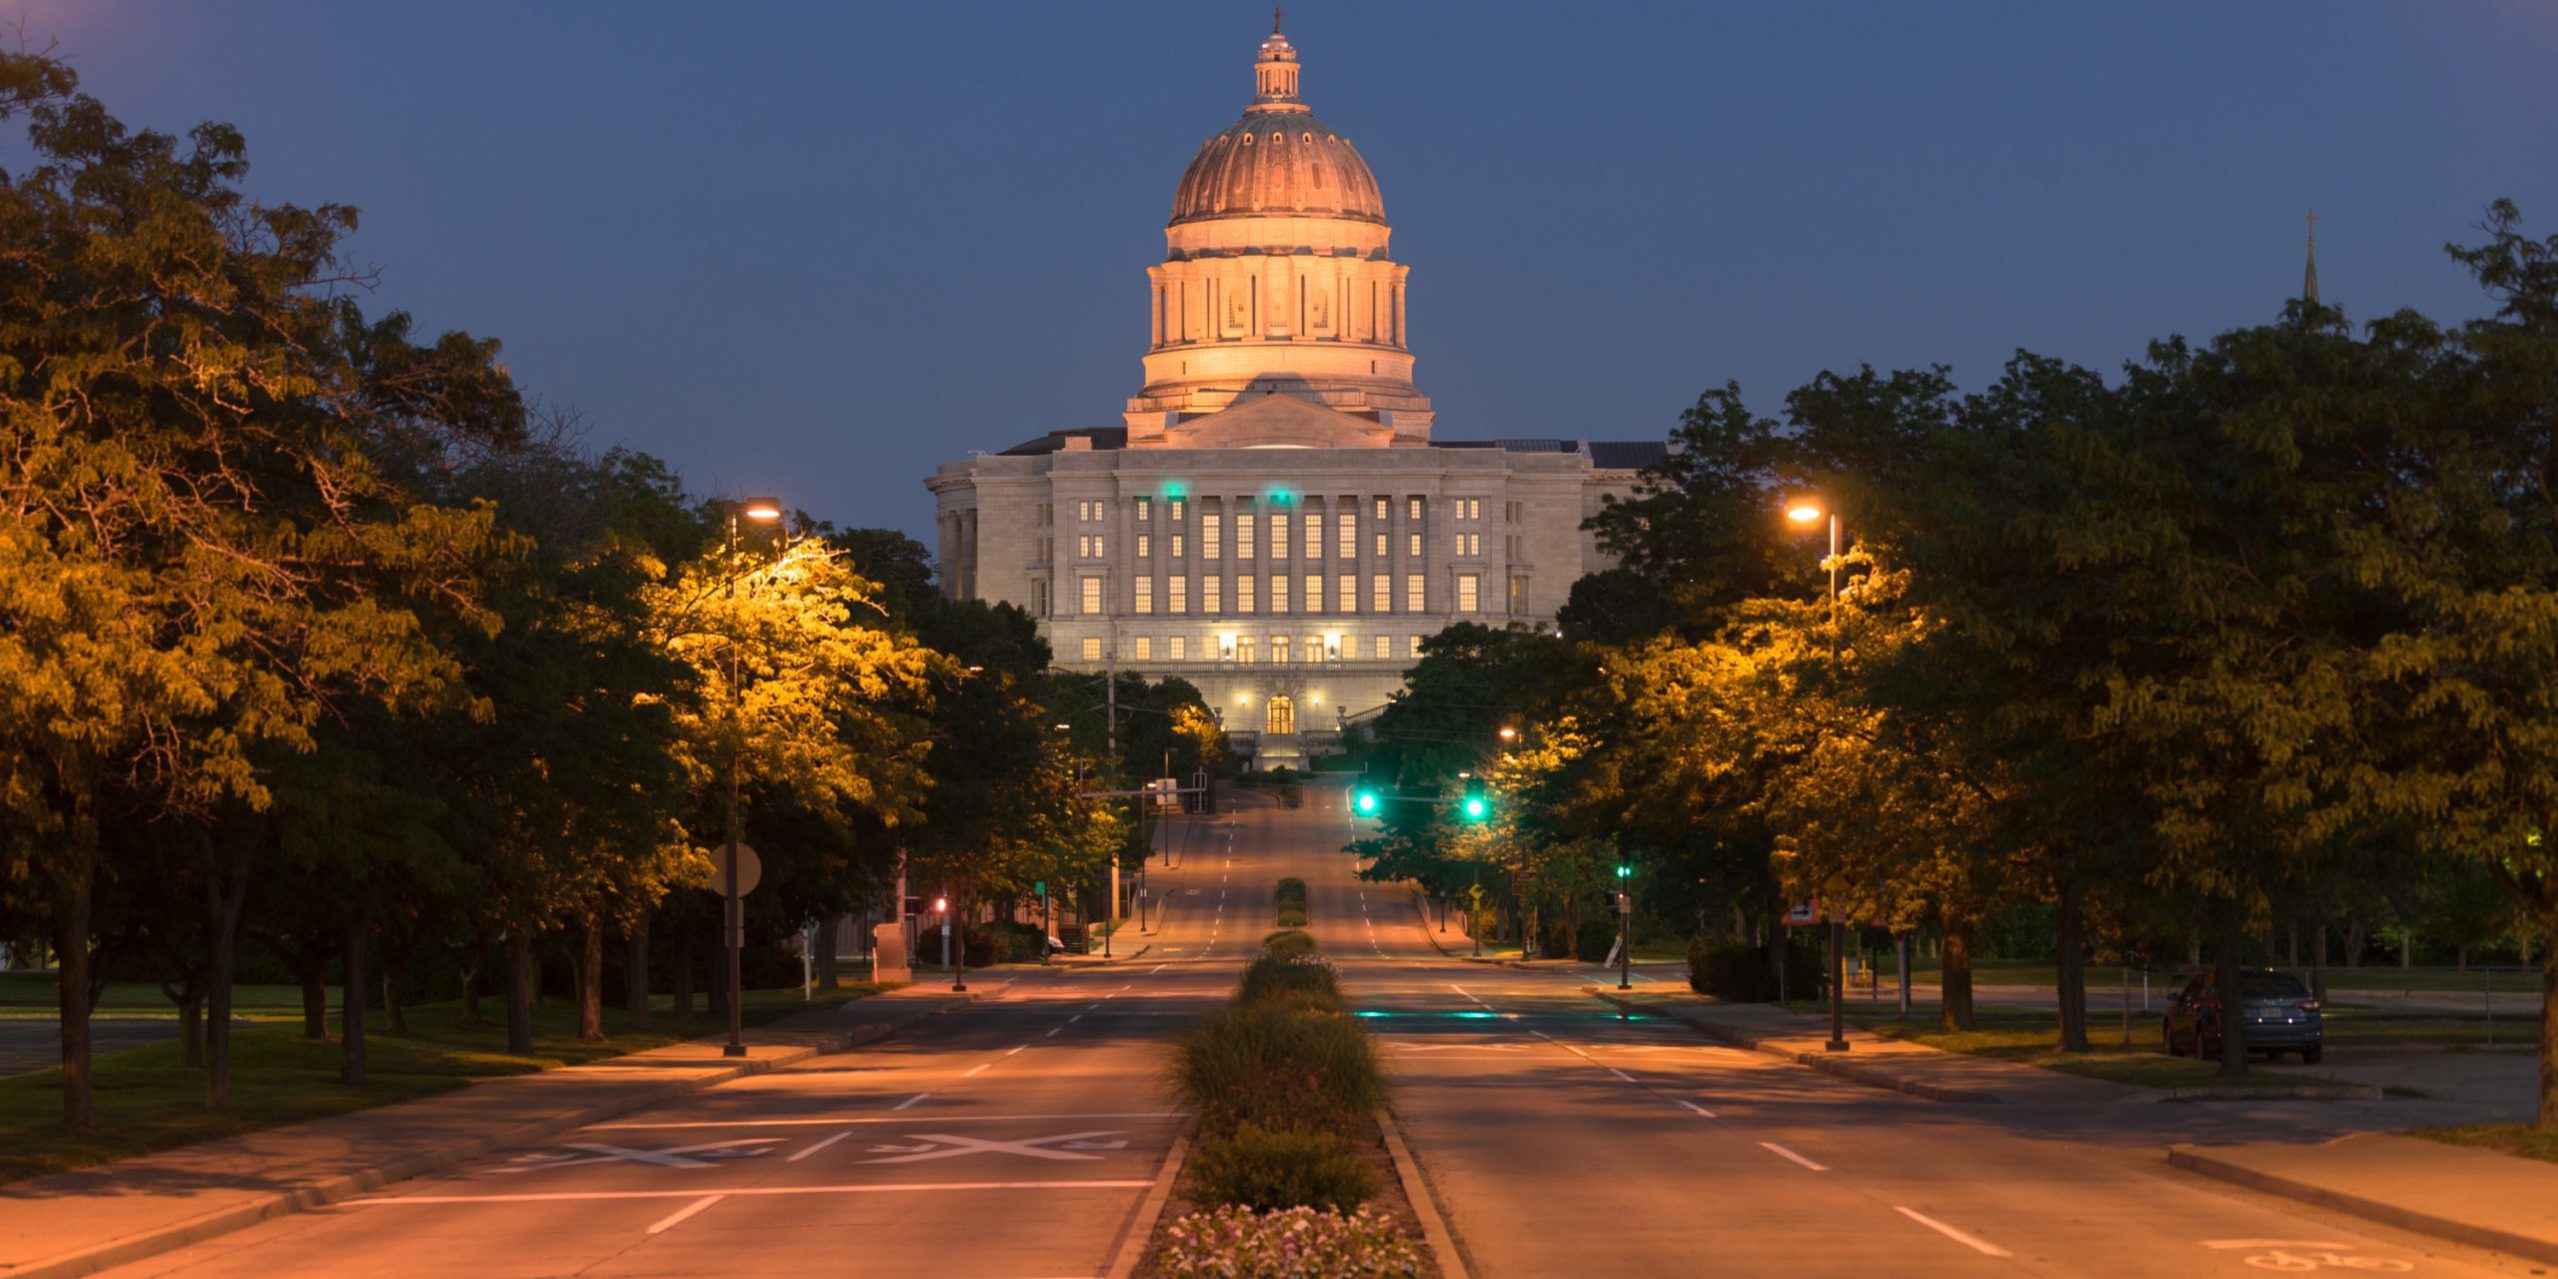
[2282, 1016]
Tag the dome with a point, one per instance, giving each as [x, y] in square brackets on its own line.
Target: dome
[1278, 161]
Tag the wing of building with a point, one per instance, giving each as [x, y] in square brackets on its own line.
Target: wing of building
[1272, 520]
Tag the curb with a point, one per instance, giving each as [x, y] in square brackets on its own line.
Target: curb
[1150, 1210]
[1850, 1070]
[2196, 1160]
[1434, 1228]
[320, 1194]
[2304, 1092]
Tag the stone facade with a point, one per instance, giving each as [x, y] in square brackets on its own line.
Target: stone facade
[1273, 522]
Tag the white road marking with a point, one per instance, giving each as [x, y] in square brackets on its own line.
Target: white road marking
[597, 1152]
[910, 1102]
[1782, 1151]
[1076, 1018]
[1620, 1074]
[884, 1119]
[1060, 1146]
[1693, 1106]
[2271, 1243]
[671, 1221]
[819, 1146]
[1052, 1032]
[572, 1196]
[973, 1071]
[1017, 1050]
[1971, 1241]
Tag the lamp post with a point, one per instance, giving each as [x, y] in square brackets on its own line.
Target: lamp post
[1804, 511]
[762, 510]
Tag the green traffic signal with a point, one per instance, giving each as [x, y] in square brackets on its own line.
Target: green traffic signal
[1477, 808]
[1365, 802]
[1624, 871]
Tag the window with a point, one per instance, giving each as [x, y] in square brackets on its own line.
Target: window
[1510, 547]
[1145, 511]
[1314, 649]
[1346, 533]
[1383, 508]
[1047, 550]
[1413, 546]
[1470, 544]
[1469, 593]
[1211, 535]
[1178, 506]
[1179, 646]
[1211, 592]
[1278, 652]
[1510, 512]
[1145, 648]
[1177, 595]
[1243, 593]
[1243, 650]
[1314, 537]
[1092, 593]
[1243, 536]
[1469, 508]
[1176, 546]
[1314, 592]
[1347, 599]
[1279, 718]
[1047, 513]
[1381, 651]
[1518, 595]
[1380, 593]
[1278, 537]
[1145, 593]
[1279, 594]
[1145, 545]
[1415, 599]
[1381, 546]
[1416, 646]
[1098, 550]
[1092, 648]
[1039, 597]
[1412, 508]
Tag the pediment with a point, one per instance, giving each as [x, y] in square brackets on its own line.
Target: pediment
[1278, 421]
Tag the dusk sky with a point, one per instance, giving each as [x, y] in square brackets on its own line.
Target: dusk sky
[817, 249]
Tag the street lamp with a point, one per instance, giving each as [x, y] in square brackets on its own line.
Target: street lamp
[762, 510]
[1807, 511]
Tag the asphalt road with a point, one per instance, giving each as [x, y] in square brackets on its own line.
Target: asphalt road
[1016, 1138]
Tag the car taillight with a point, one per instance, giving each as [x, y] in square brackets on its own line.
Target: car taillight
[2307, 1005]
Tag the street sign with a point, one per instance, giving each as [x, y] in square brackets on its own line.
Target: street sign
[1802, 915]
[1625, 903]
[750, 869]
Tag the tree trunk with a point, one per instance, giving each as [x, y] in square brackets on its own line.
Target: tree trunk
[684, 973]
[635, 974]
[590, 981]
[74, 880]
[2227, 961]
[2357, 938]
[310, 967]
[2069, 931]
[1954, 1009]
[2406, 948]
[191, 1030]
[825, 957]
[352, 996]
[225, 894]
[519, 991]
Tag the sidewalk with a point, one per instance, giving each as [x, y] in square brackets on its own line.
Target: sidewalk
[75, 1223]
[2465, 1195]
[1874, 1060]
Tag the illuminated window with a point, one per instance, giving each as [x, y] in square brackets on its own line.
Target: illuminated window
[1518, 595]
[1416, 646]
[1098, 551]
[1279, 594]
[1092, 649]
[1314, 537]
[1381, 650]
[1243, 536]
[1243, 650]
[1412, 545]
[1092, 593]
[1381, 546]
[1383, 508]
[1278, 537]
[1211, 535]
[1177, 595]
[1145, 545]
[1145, 511]
[1469, 593]
[1179, 648]
[1178, 506]
[1412, 508]
[1278, 650]
[1415, 600]
[1243, 593]
[1347, 597]
[1346, 531]
[1314, 593]
[1145, 643]
[1211, 595]
[1145, 593]
[1176, 546]
[1380, 593]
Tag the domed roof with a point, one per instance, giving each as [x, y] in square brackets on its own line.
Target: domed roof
[1278, 160]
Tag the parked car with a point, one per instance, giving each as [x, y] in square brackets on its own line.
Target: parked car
[2282, 1016]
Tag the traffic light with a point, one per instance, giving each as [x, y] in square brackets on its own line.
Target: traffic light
[1364, 802]
[1625, 870]
[941, 905]
[1475, 806]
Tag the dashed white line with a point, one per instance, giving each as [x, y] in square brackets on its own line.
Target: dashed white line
[1788, 1154]
[806, 1153]
[1693, 1106]
[1052, 1033]
[677, 1217]
[1971, 1241]
[973, 1071]
[1620, 1074]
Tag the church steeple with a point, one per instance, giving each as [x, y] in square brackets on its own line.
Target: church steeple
[2309, 273]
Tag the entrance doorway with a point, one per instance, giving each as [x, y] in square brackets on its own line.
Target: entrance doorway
[1280, 718]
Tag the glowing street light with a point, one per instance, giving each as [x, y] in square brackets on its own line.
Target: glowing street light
[762, 510]
[1807, 511]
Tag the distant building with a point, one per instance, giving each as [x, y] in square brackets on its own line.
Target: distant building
[1272, 520]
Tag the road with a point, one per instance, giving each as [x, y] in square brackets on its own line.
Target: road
[1015, 1138]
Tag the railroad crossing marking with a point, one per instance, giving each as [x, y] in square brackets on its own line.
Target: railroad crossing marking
[597, 1152]
[938, 1145]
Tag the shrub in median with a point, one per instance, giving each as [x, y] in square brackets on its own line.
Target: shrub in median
[1302, 980]
[1278, 1067]
[1292, 919]
[1291, 898]
[1270, 1168]
[1299, 1243]
[1288, 943]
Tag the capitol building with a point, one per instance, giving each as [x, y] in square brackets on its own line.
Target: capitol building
[1272, 520]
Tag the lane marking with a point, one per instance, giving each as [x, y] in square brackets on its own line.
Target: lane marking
[910, 1102]
[1052, 1032]
[1971, 1241]
[912, 1187]
[1620, 1074]
[1022, 1046]
[1782, 1151]
[883, 1119]
[810, 1151]
[678, 1216]
[973, 1071]
[942, 1145]
[1693, 1106]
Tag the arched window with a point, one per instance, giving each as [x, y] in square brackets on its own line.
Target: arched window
[1280, 718]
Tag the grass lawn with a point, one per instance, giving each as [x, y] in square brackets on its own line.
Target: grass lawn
[2525, 1140]
[2165, 981]
[31, 995]
[146, 1101]
[2032, 1039]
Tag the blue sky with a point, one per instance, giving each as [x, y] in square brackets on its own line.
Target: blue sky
[817, 249]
